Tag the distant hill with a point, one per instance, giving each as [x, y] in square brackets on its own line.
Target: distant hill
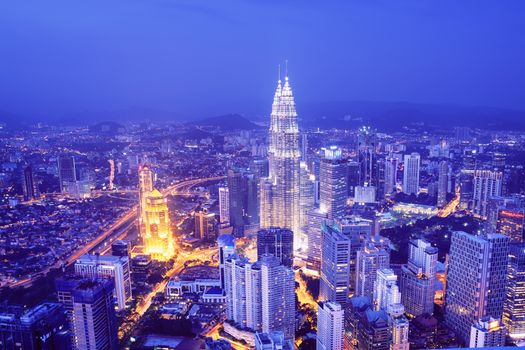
[107, 127]
[228, 122]
[392, 116]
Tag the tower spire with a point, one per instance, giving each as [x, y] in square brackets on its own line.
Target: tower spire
[286, 69]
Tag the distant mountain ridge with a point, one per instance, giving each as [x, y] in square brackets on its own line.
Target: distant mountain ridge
[228, 122]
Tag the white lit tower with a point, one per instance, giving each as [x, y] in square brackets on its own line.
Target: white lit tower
[280, 191]
[145, 188]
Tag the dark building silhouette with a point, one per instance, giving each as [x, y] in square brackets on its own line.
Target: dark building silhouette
[278, 242]
[29, 185]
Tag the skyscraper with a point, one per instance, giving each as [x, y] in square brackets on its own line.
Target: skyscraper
[224, 205]
[226, 243]
[486, 184]
[506, 215]
[411, 173]
[236, 200]
[272, 341]
[398, 327]
[366, 147]
[91, 311]
[418, 278]
[158, 240]
[333, 183]
[116, 267]
[306, 203]
[277, 242]
[145, 188]
[335, 265]
[442, 183]
[66, 171]
[476, 280]
[386, 291]
[370, 258]
[316, 218]
[120, 248]
[514, 307]
[261, 295]
[280, 191]
[329, 326]
[205, 225]
[390, 175]
[29, 186]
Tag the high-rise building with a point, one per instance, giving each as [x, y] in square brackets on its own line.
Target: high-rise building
[442, 188]
[29, 185]
[487, 332]
[66, 171]
[205, 225]
[115, 267]
[236, 200]
[367, 150]
[486, 184]
[304, 147]
[411, 173]
[145, 188]
[280, 191]
[399, 327]
[514, 307]
[386, 291]
[306, 203]
[43, 327]
[261, 295]
[370, 258]
[330, 317]
[158, 240]
[91, 311]
[316, 218]
[335, 265]
[476, 279]
[226, 243]
[391, 165]
[418, 278]
[224, 205]
[272, 341]
[277, 242]
[506, 215]
[121, 248]
[333, 183]
[466, 189]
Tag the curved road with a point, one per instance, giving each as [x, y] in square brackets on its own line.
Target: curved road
[122, 224]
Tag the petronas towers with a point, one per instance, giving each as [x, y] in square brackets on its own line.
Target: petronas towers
[280, 191]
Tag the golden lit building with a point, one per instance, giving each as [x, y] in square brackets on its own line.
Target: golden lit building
[158, 240]
[145, 187]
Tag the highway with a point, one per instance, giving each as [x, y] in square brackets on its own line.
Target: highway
[121, 227]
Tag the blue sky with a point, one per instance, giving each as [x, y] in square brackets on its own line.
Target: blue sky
[202, 58]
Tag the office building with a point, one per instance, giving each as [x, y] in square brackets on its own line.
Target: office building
[277, 242]
[370, 258]
[91, 312]
[224, 205]
[418, 278]
[333, 183]
[236, 200]
[487, 332]
[280, 191]
[386, 291]
[335, 265]
[390, 174]
[399, 327]
[145, 188]
[411, 173]
[486, 184]
[115, 267]
[205, 225]
[66, 171]
[304, 147]
[306, 204]
[316, 218]
[330, 319]
[367, 157]
[506, 215]
[28, 184]
[477, 272]
[158, 240]
[226, 243]
[514, 306]
[43, 327]
[121, 248]
[272, 341]
[442, 187]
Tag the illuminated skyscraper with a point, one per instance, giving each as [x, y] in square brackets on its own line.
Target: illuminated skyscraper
[29, 186]
[386, 291]
[514, 308]
[158, 240]
[390, 175]
[442, 183]
[145, 187]
[224, 205]
[486, 184]
[411, 173]
[329, 326]
[369, 260]
[280, 191]
[66, 171]
[333, 183]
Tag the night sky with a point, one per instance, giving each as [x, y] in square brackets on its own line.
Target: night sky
[203, 58]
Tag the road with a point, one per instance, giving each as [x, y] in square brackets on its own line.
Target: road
[450, 207]
[122, 226]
